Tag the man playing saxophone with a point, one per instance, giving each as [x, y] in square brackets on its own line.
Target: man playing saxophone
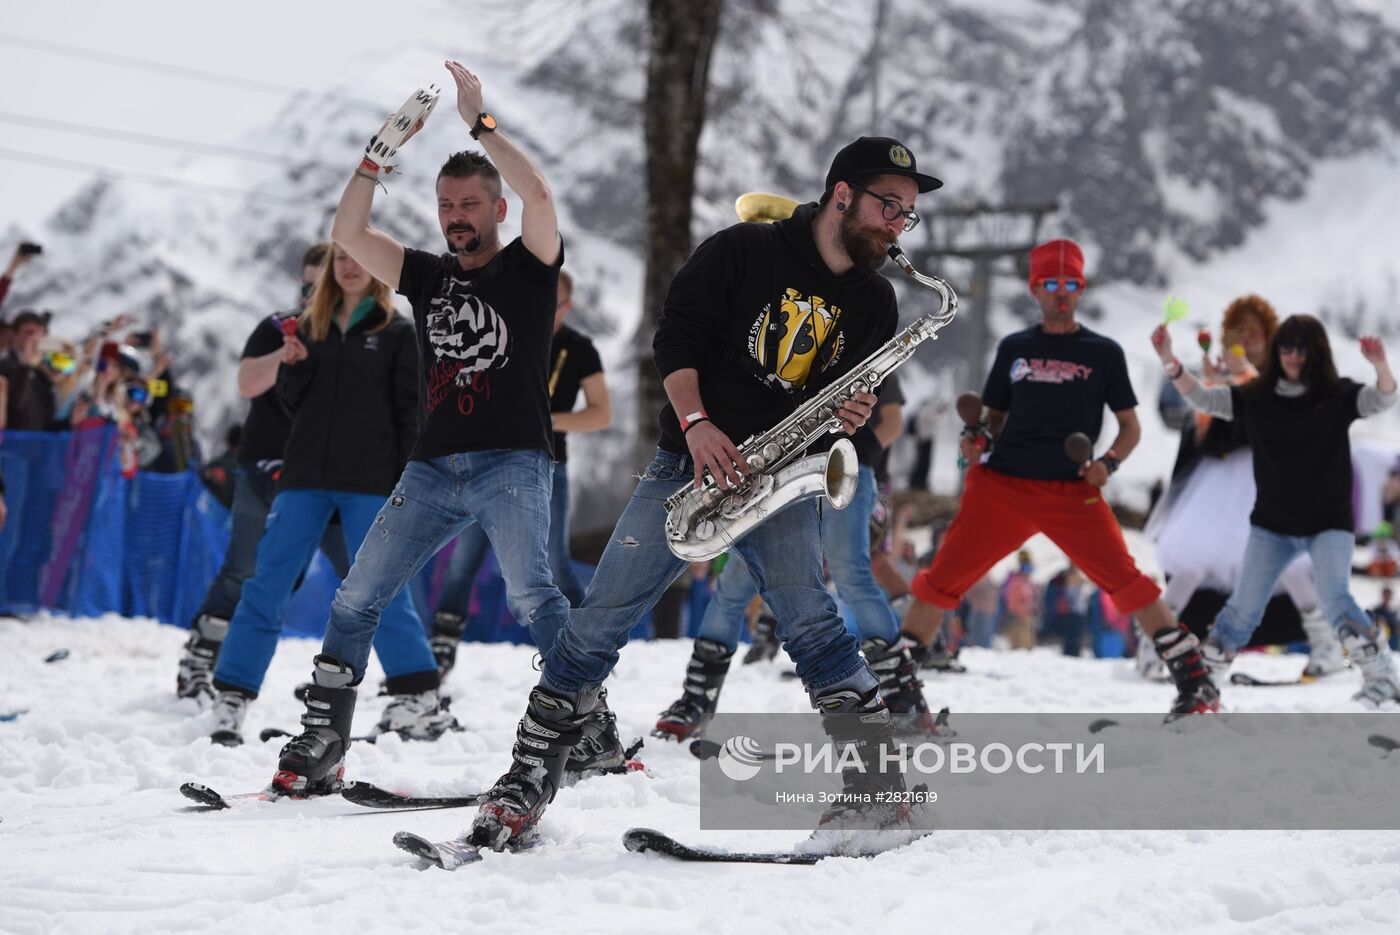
[759, 319]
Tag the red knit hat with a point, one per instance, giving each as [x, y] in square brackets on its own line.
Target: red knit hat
[1057, 259]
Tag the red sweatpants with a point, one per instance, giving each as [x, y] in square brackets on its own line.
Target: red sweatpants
[1000, 512]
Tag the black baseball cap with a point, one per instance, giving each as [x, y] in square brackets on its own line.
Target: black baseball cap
[877, 155]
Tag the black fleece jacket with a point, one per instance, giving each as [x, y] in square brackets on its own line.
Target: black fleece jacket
[354, 406]
[757, 312]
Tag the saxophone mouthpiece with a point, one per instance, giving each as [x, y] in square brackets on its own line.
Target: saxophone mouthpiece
[896, 253]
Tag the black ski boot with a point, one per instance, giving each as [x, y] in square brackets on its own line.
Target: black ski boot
[195, 678]
[765, 643]
[1195, 692]
[551, 728]
[873, 796]
[447, 636]
[704, 676]
[894, 665]
[936, 655]
[599, 749]
[313, 762]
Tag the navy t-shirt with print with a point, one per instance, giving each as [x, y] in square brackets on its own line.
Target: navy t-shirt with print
[483, 346]
[1050, 386]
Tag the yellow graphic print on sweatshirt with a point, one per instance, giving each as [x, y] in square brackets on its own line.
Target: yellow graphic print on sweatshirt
[787, 341]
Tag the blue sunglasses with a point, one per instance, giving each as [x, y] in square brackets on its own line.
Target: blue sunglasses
[1053, 285]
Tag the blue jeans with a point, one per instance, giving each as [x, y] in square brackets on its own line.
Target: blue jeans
[561, 561]
[506, 491]
[783, 554]
[295, 525]
[846, 539]
[1266, 555]
[981, 626]
[249, 517]
[467, 558]
[473, 544]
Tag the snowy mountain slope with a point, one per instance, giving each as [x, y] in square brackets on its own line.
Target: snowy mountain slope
[1203, 149]
[96, 837]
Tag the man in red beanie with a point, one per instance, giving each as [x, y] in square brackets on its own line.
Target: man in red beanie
[1049, 381]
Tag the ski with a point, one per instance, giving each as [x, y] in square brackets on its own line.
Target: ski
[1381, 741]
[1239, 678]
[449, 855]
[217, 801]
[1176, 722]
[645, 840]
[791, 674]
[372, 796]
[201, 794]
[708, 750]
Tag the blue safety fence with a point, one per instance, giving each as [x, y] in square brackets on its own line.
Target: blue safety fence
[83, 539]
[33, 465]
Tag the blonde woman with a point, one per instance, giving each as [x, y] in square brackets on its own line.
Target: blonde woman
[350, 381]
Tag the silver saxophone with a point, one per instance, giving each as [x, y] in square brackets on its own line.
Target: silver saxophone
[702, 523]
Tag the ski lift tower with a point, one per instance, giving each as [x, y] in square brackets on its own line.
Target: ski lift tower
[983, 234]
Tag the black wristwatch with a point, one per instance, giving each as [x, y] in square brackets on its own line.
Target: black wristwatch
[1110, 461]
[485, 123]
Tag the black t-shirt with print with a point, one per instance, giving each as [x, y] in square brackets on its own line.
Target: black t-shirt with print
[483, 344]
[1050, 386]
[572, 359]
[1302, 457]
[268, 422]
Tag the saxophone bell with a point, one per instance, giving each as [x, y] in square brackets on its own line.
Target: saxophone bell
[697, 536]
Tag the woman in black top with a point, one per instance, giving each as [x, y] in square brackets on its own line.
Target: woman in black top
[353, 399]
[1297, 415]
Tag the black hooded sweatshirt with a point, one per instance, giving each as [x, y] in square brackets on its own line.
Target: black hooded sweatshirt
[354, 406]
[757, 312]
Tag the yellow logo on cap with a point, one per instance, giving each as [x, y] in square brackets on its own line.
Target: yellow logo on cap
[900, 156]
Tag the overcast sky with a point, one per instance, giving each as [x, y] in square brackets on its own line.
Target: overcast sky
[287, 42]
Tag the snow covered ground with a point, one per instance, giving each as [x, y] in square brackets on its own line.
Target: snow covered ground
[95, 837]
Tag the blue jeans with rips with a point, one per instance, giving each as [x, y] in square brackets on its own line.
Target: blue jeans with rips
[505, 491]
[845, 538]
[1266, 555]
[783, 554]
[472, 545]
